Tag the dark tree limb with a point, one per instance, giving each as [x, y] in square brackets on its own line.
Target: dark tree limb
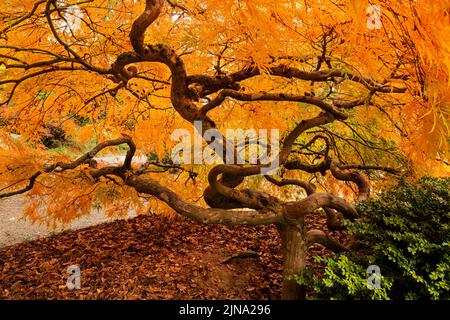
[264, 96]
[356, 177]
[84, 159]
[242, 255]
[140, 25]
[308, 187]
[298, 209]
[207, 85]
[320, 237]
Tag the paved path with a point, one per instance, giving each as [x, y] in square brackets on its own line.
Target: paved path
[15, 228]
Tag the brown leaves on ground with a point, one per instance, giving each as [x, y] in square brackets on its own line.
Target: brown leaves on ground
[148, 257]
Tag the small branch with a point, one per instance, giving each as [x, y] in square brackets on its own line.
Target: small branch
[31, 182]
[308, 187]
[242, 255]
[164, 167]
[369, 167]
[84, 159]
[23, 18]
[66, 45]
[174, 4]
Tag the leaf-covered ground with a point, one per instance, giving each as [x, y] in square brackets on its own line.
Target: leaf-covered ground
[147, 257]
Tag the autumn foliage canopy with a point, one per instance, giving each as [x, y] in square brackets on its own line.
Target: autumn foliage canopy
[359, 91]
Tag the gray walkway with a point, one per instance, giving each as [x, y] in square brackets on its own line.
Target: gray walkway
[14, 228]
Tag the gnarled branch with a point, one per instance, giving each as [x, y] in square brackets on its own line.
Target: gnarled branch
[359, 179]
[298, 209]
[320, 237]
[264, 96]
[140, 25]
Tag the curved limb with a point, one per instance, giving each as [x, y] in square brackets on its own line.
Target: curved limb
[264, 96]
[151, 187]
[333, 221]
[308, 187]
[140, 25]
[221, 193]
[359, 179]
[198, 213]
[298, 209]
[320, 237]
[84, 159]
[207, 84]
[247, 198]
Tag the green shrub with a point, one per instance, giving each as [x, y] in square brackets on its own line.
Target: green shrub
[406, 232]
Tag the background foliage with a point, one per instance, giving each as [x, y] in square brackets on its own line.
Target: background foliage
[406, 232]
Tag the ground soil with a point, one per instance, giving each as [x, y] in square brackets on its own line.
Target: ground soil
[148, 257]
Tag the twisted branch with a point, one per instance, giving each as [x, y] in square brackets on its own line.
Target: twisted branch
[320, 237]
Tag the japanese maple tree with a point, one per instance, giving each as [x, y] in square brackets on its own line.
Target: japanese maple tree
[358, 90]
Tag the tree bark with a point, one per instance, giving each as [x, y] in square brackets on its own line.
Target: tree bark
[294, 255]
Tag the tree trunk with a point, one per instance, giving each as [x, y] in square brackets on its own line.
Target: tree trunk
[294, 255]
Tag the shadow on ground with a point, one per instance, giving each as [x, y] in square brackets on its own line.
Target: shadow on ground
[147, 257]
